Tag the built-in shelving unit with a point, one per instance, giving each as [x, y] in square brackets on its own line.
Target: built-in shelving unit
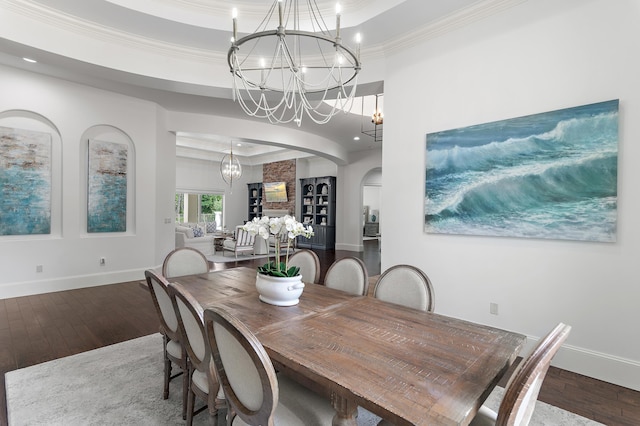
[255, 200]
[318, 209]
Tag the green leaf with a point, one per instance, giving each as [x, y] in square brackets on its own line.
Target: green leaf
[293, 271]
[278, 270]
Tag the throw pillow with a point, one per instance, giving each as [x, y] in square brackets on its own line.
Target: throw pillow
[198, 232]
[211, 227]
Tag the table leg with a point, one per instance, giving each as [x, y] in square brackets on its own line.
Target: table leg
[346, 411]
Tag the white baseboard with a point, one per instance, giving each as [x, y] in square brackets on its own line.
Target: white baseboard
[28, 288]
[349, 247]
[598, 365]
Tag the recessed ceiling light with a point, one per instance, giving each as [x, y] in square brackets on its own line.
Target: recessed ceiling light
[33, 61]
[357, 138]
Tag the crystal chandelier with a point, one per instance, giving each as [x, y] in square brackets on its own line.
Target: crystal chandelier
[284, 73]
[230, 168]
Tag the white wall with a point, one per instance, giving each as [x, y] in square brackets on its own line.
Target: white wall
[535, 57]
[70, 258]
[165, 155]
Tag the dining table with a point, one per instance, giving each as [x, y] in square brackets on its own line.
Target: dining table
[407, 366]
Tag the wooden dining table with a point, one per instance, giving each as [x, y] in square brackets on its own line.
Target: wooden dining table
[407, 366]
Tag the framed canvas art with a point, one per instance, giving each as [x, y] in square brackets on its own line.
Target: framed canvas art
[548, 175]
[25, 182]
[107, 187]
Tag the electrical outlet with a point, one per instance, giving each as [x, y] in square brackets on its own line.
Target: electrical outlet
[103, 261]
[39, 268]
[493, 308]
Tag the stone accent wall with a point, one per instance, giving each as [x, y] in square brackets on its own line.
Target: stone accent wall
[281, 171]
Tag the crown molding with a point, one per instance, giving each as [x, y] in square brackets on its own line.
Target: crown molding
[253, 8]
[452, 22]
[91, 30]
[94, 31]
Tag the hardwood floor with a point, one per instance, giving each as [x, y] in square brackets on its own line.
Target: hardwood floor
[35, 329]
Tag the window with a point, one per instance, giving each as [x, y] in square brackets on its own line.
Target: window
[199, 207]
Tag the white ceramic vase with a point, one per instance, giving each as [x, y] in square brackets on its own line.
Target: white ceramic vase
[279, 291]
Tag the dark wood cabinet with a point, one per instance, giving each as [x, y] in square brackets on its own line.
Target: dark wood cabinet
[255, 200]
[318, 209]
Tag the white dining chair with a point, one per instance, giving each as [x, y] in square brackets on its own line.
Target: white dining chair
[173, 350]
[309, 265]
[405, 285]
[256, 394]
[521, 392]
[348, 274]
[203, 382]
[184, 261]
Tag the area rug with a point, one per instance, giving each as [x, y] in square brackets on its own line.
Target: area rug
[121, 384]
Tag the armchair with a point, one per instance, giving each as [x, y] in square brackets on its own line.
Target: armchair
[242, 243]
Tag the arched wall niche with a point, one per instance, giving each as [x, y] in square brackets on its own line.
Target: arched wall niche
[32, 121]
[107, 133]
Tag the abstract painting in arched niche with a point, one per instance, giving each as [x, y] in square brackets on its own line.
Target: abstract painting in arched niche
[107, 187]
[25, 182]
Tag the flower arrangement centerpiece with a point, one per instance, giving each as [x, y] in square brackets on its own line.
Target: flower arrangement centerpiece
[277, 227]
[276, 282]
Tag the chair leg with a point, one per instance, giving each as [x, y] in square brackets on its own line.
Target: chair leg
[220, 399]
[191, 398]
[167, 369]
[213, 409]
[185, 391]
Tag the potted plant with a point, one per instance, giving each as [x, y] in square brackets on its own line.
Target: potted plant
[277, 282]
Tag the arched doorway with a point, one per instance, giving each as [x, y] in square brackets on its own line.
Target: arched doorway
[372, 206]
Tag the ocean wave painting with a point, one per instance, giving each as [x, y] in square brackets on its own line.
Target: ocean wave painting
[107, 187]
[548, 175]
[25, 182]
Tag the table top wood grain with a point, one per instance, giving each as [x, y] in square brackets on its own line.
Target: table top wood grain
[408, 366]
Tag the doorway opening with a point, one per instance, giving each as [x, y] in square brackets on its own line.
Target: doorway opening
[372, 205]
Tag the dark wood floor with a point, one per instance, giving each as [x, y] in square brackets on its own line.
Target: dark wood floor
[35, 329]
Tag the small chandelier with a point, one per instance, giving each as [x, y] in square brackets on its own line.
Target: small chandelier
[230, 168]
[376, 118]
[284, 73]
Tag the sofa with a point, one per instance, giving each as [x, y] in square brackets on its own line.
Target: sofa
[195, 236]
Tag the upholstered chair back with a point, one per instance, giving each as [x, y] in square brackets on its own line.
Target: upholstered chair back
[309, 265]
[406, 285]
[348, 274]
[184, 261]
[245, 371]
